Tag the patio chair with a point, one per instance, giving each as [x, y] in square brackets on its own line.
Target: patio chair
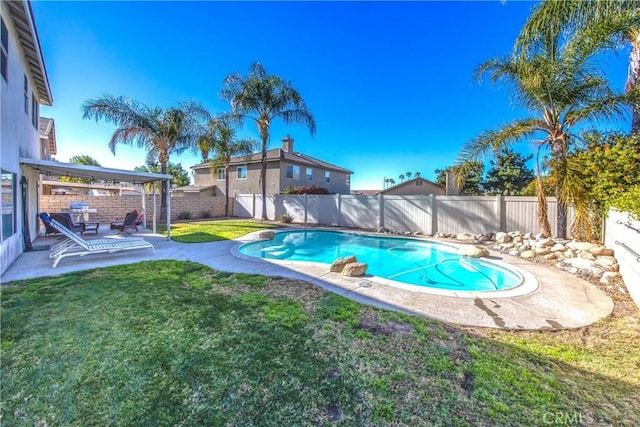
[66, 220]
[129, 222]
[75, 245]
[46, 220]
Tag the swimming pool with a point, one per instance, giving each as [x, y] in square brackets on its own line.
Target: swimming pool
[409, 261]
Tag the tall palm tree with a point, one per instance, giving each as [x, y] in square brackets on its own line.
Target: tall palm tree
[161, 132]
[618, 21]
[221, 140]
[408, 175]
[417, 174]
[557, 84]
[401, 177]
[264, 97]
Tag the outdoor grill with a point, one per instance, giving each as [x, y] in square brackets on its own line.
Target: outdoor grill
[80, 211]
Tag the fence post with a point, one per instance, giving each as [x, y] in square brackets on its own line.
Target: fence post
[253, 205]
[305, 208]
[434, 216]
[380, 211]
[338, 207]
[500, 214]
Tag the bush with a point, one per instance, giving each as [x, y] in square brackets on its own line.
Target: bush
[629, 202]
[286, 218]
[206, 214]
[312, 189]
[184, 215]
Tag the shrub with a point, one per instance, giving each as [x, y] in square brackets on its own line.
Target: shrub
[286, 218]
[184, 215]
[206, 214]
[312, 189]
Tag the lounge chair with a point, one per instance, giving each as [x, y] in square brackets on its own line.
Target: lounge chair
[129, 222]
[46, 220]
[75, 245]
[66, 220]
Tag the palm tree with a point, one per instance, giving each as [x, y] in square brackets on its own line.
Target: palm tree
[618, 21]
[408, 175]
[558, 86]
[386, 182]
[221, 140]
[417, 174]
[392, 182]
[161, 132]
[401, 177]
[263, 97]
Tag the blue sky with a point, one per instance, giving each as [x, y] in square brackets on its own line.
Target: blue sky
[390, 84]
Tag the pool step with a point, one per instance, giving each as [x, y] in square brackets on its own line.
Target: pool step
[278, 252]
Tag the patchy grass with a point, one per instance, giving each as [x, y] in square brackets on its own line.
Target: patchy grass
[212, 231]
[176, 343]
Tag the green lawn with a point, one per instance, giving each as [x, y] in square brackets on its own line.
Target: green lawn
[213, 231]
[176, 343]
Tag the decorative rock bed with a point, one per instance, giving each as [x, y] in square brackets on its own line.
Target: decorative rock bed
[581, 258]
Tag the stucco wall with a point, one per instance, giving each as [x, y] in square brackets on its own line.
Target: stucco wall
[412, 189]
[18, 136]
[277, 181]
[337, 181]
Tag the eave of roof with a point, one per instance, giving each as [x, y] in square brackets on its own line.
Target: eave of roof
[47, 130]
[24, 23]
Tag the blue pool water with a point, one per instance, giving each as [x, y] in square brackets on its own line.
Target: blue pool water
[410, 261]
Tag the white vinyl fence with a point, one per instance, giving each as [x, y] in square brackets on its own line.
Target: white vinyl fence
[622, 234]
[426, 214]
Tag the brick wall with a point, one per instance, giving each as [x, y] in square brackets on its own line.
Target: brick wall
[111, 207]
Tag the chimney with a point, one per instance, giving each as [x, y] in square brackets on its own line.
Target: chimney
[287, 144]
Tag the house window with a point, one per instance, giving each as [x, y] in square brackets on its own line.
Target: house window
[242, 172]
[327, 176]
[8, 204]
[26, 95]
[221, 174]
[348, 179]
[4, 49]
[309, 174]
[292, 172]
[34, 110]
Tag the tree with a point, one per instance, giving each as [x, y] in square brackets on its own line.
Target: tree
[472, 185]
[509, 174]
[180, 177]
[617, 21]
[401, 177]
[161, 132]
[221, 140]
[557, 84]
[408, 175]
[608, 164]
[81, 160]
[263, 97]
[417, 174]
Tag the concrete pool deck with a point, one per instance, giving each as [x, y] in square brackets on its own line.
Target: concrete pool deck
[561, 301]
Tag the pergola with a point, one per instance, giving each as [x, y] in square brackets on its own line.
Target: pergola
[49, 167]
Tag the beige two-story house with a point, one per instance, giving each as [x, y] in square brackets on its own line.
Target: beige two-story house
[415, 187]
[285, 168]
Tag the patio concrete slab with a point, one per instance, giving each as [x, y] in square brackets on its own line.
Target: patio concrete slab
[561, 300]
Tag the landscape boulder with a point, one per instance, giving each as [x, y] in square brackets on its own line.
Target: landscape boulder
[267, 235]
[472, 251]
[354, 269]
[503, 237]
[339, 264]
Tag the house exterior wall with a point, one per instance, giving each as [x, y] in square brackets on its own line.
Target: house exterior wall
[413, 189]
[337, 184]
[277, 180]
[18, 138]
